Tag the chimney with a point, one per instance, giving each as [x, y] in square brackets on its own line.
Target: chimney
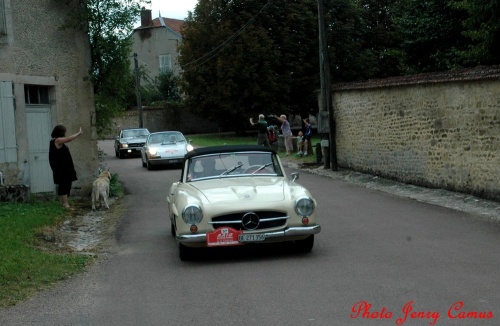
[146, 18]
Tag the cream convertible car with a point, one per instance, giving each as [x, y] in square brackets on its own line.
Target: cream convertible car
[234, 195]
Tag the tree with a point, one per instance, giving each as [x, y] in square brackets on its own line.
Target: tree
[164, 88]
[380, 39]
[430, 32]
[109, 24]
[482, 29]
[227, 60]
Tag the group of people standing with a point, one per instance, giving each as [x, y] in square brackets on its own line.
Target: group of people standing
[267, 135]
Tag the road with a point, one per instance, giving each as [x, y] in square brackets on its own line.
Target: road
[380, 259]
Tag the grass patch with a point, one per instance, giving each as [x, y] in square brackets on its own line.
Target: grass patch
[23, 268]
[221, 139]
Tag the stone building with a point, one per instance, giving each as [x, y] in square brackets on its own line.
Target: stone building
[155, 43]
[44, 80]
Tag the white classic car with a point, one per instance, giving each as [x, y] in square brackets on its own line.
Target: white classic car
[164, 148]
[234, 195]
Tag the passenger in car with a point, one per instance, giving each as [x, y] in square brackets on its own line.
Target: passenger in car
[208, 165]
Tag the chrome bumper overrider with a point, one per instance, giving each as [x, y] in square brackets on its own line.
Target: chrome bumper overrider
[289, 232]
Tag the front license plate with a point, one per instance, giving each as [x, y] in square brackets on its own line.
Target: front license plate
[224, 236]
[251, 237]
[173, 161]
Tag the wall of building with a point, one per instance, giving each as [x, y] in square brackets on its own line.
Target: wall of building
[37, 52]
[437, 130]
[149, 44]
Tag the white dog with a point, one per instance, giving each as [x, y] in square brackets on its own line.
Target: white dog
[100, 189]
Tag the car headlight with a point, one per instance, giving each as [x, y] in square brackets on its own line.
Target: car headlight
[304, 206]
[192, 214]
[189, 147]
[152, 151]
[122, 145]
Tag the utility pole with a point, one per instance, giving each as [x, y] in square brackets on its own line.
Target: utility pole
[138, 89]
[326, 97]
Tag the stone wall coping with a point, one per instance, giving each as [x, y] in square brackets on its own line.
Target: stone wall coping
[470, 74]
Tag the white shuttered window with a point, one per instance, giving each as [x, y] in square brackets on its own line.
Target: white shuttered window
[165, 62]
[8, 147]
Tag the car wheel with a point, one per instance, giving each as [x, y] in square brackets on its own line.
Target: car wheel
[143, 163]
[116, 153]
[305, 245]
[172, 229]
[120, 155]
[149, 166]
[185, 253]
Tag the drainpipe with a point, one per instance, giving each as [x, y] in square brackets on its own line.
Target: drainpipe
[1, 179]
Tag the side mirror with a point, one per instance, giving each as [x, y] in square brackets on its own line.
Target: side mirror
[295, 176]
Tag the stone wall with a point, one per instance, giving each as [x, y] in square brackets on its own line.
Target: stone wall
[160, 119]
[438, 130]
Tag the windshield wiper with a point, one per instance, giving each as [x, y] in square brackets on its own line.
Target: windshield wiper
[231, 169]
[262, 167]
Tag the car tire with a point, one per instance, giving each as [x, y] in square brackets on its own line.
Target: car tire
[143, 164]
[185, 253]
[305, 245]
[116, 153]
[172, 229]
[148, 165]
[120, 155]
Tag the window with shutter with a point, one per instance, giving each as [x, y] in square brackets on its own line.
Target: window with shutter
[8, 146]
[3, 26]
[165, 63]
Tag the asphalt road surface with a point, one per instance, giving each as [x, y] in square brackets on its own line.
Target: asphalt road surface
[380, 259]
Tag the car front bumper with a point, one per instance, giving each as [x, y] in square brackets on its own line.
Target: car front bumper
[166, 161]
[130, 150]
[270, 236]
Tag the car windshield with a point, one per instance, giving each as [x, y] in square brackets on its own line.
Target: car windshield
[134, 133]
[225, 165]
[166, 138]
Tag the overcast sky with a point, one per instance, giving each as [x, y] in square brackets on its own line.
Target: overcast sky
[177, 9]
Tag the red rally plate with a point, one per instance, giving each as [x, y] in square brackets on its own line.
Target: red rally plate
[224, 236]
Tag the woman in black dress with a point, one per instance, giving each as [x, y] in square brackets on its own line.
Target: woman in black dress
[61, 162]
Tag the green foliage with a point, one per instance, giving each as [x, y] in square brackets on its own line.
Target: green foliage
[240, 59]
[115, 186]
[482, 29]
[379, 39]
[430, 33]
[164, 88]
